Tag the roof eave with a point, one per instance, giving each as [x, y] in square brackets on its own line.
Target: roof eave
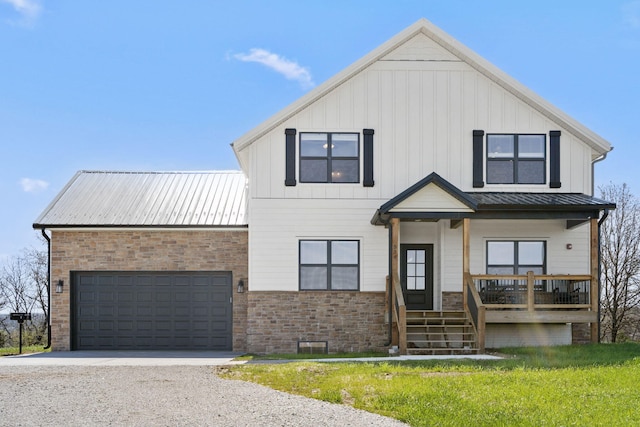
[39, 226]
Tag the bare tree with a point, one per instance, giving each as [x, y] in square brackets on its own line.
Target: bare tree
[620, 250]
[37, 265]
[23, 288]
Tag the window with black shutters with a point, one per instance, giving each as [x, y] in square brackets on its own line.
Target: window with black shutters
[516, 159]
[330, 157]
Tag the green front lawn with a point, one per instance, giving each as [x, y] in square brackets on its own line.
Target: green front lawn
[11, 351]
[575, 385]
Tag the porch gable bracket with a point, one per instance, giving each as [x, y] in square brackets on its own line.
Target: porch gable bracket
[573, 223]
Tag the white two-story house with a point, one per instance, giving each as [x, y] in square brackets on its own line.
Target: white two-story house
[422, 176]
[421, 198]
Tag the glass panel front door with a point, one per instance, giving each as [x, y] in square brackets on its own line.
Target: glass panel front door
[416, 271]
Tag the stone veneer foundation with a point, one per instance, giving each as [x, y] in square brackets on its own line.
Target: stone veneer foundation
[141, 250]
[452, 301]
[580, 333]
[347, 321]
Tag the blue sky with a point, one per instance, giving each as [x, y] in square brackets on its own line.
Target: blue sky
[168, 85]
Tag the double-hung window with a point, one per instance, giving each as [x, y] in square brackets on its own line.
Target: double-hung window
[516, 159]
[516, 257]
[329, 265]
[330, 157]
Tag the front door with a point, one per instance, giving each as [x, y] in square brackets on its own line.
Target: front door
[416, 275]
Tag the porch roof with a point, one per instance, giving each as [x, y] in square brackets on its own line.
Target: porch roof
[574, 207]
[537, 201]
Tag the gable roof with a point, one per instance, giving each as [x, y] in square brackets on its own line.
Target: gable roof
[149, 199]
[456, 49]
[433, 179]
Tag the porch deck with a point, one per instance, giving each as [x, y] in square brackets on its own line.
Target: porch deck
[509, 299]
[528, 299]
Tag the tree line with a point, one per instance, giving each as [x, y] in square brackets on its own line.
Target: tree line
[23, 279]
[23, 289]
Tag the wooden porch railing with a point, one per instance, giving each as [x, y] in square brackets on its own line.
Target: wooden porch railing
[399, 314]
[527, 298]
[533, 292]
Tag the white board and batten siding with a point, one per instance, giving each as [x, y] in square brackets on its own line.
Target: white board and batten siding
[277, 226]
[423, 94]
[423, 111]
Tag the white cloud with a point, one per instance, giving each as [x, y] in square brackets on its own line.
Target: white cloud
[289, 69]
[33, 185]
[631, 14]
[28, 9]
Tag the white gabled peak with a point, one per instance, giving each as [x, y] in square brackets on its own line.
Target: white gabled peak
[425, 41]
[420, 48]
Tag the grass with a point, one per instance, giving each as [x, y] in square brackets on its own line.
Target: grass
[573, 385]
[11, 351]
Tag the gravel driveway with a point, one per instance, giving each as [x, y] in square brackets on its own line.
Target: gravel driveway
[157, 396]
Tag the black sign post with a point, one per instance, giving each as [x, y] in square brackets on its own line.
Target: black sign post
[20, 318]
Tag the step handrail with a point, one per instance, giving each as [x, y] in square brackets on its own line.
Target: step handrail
[400, 314]
[475, 309]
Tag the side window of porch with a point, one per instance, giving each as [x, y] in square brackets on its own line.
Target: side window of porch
[516, 257]
[329, 265]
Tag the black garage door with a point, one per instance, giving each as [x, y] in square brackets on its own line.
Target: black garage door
[151, 311]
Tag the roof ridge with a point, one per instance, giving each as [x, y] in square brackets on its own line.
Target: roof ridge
[133, 172]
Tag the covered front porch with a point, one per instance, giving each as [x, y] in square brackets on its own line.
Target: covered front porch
[490, 305]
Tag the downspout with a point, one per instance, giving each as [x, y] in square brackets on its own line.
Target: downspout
[48, 288]
[593, 172]
[604, 216]
[390, 289]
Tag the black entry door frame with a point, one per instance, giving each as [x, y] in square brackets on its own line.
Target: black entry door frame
[416, 275]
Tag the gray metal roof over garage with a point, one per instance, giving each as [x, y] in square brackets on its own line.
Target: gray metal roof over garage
[149, 199]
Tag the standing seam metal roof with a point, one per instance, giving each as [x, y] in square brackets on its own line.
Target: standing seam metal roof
[156, 199]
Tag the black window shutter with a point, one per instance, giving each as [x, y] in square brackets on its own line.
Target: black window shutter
[290, 177]
[554, 159]
[368, 158]
[478, 160]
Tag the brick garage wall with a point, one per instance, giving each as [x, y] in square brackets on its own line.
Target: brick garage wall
[184, 250]
[349, 321]
[452, 301]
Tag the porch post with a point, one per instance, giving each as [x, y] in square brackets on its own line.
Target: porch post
[595, 279]
[395, 249]
[465, 245]
[395, 229]
[530, 291]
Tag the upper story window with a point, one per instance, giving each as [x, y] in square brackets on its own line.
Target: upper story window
[329, 265]
[330, 157]
[516, 257]
[516, 159]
